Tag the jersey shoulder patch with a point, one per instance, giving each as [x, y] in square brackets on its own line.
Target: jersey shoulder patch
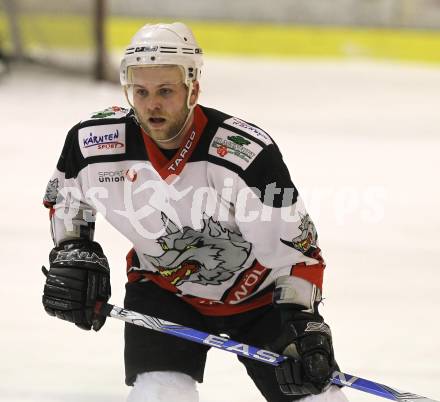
[238, 141]
[102, 139]
[112, 112]
[103, 133]
[232, 147]
[249, 129]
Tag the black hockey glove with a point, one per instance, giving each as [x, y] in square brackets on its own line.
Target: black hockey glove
[307, 340]
[78, 277]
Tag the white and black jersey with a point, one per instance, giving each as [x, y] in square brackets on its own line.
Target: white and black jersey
[216, 223]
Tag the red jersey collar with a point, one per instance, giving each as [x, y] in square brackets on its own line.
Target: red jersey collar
[175, 165]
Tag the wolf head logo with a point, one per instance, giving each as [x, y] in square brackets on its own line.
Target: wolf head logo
[51, 191]
[306, 242]
[208, 256]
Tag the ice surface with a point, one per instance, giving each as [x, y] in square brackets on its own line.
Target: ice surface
[362, 143]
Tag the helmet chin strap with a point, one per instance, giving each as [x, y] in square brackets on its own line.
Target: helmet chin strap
[190, 113]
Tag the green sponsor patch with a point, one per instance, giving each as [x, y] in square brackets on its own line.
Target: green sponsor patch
[238, 139]
[231, 147]
[111, 111]
[101, 115]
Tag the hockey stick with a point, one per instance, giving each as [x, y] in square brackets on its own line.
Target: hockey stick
[249, 351]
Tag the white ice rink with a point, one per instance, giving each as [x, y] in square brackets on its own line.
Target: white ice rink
[362, 142]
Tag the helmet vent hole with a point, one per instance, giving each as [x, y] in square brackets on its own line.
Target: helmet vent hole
[138, 59]
[185, 39]
[152, 58]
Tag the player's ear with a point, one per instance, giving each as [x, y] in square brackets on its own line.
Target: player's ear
[195, 90]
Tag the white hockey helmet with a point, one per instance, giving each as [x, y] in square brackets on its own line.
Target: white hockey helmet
[163, 44]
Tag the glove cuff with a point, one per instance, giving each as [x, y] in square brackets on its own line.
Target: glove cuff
[79, 254]
[296, 293]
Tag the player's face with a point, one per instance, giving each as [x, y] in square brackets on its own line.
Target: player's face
[159, 97]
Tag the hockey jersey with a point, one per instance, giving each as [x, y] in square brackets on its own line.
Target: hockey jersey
[216, 224]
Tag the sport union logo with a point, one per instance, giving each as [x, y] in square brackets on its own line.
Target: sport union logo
[106, 141]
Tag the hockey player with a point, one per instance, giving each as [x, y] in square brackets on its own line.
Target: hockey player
[221, 239]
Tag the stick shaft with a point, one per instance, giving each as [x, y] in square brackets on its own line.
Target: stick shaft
[252, 352]
[193, 335]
